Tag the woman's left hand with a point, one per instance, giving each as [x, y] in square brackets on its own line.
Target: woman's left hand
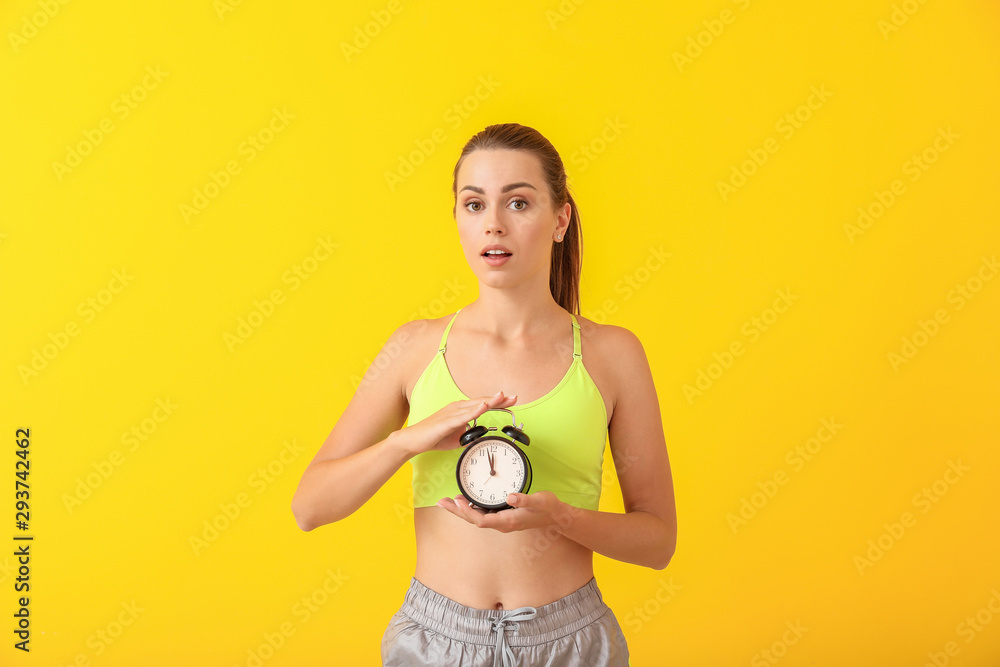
[535, 510]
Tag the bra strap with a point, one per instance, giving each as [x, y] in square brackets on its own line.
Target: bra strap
[577, 348]
[576, 338]
[444, 338]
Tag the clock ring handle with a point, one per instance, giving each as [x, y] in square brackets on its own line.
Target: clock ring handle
[513, 422]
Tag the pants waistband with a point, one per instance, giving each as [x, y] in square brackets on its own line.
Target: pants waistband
[467, 624]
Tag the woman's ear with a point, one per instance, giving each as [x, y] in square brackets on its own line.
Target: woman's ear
[562, 219]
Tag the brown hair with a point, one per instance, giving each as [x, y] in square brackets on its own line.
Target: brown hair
[567, 256]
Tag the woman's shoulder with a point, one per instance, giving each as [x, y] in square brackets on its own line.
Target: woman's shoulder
[608, 340]
[413, 344]
[616, 360]
[414, 329]
[419, 335]
[613, 354]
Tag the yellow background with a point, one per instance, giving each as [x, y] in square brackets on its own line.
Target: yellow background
[647, 138]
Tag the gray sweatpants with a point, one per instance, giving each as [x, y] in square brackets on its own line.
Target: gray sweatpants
[431, 630]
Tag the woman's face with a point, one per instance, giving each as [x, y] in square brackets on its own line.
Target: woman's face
[503, 204]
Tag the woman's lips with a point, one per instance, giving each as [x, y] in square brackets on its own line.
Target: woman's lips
[496, 260]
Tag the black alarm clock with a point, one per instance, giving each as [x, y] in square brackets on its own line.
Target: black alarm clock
[492, 465]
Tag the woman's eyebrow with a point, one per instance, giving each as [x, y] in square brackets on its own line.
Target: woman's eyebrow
[506, 188]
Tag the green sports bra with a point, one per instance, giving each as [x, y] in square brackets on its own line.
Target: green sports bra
[568, 428]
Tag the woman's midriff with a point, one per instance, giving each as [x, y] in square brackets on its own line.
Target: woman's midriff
[483, 568]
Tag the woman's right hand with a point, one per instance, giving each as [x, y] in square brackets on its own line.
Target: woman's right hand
[441, 430]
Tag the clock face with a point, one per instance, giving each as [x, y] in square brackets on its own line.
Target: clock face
[488, 486]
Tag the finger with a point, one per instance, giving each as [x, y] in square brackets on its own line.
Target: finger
[501, 400]
[486, 404]
[529, 501]
[470, 512]
[454, 507]
[446, 503]
[517, 500]
[480, 405]
[506, 521]
[466, 506]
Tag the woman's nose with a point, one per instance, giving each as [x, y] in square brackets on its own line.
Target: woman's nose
[494, 223]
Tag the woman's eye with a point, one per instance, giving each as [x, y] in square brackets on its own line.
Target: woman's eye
[519, 201]
[473, 204]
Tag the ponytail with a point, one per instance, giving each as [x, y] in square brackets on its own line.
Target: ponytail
[567, 255]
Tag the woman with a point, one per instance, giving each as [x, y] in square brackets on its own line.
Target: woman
[515, 586]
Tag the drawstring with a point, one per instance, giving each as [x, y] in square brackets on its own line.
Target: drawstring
[500, 626]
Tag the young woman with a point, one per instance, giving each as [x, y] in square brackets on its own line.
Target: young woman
[514, 586]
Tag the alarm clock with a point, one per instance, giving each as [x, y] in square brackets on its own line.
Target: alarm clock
[493, 466]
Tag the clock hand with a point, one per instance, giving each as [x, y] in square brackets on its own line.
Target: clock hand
[493, 471]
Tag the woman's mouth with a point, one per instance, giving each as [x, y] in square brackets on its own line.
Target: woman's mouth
[496, 257]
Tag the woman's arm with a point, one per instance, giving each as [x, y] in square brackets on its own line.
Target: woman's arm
[349, 469]
[363, 451]
[646, 534]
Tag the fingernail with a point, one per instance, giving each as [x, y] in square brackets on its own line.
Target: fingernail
[498, 393]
